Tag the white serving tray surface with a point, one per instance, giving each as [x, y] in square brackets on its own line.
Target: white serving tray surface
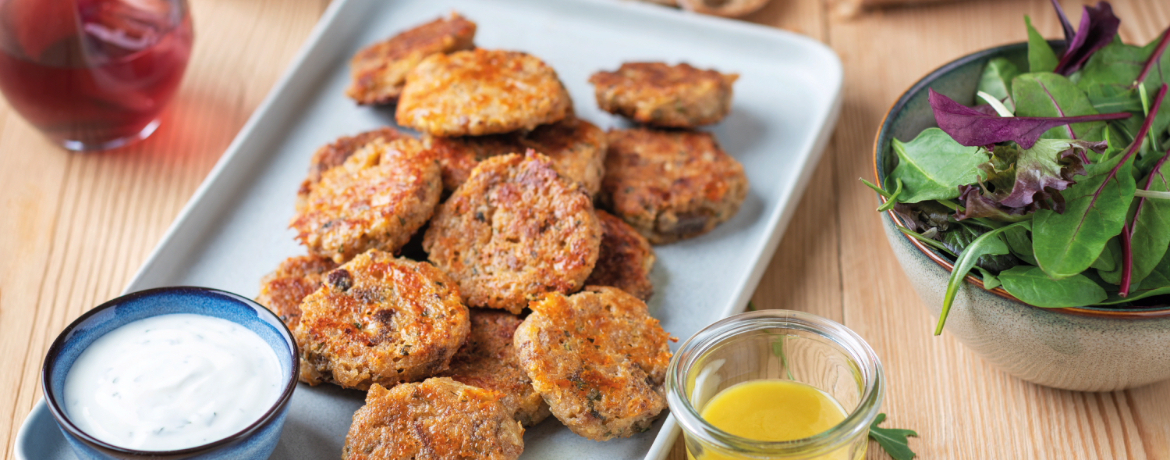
[235, 228]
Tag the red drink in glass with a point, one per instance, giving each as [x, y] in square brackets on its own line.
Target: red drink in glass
[93, 74]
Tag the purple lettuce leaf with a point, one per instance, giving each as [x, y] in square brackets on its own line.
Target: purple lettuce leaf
[1069, 32]
[1098, 29]
[973, 128]
[1021, 181]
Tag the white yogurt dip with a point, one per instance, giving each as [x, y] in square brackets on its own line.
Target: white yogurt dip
[171, 382]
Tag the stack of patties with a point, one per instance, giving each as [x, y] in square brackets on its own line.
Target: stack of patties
[498, 195]
[667, 180]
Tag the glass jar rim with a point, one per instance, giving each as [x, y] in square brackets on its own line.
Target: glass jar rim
[858, 351]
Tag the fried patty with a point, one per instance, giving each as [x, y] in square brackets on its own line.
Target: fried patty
[671, 185]
[576, 147]
[282, 290]
[334, 154]
[481, 92]
[626, 258]
[380, 319]
[657, 94]
[379, 70]
[598, 359]
[438, 419]
[516, 229]
[488, 360]
[377, 199]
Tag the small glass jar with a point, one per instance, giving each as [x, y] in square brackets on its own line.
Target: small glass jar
[778, 345]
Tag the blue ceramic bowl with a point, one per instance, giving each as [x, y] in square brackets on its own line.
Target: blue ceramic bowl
[254, 442]
[1087, 349]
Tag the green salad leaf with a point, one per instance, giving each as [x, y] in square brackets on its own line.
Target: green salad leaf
[997, 80]
[1095, 211]
[933, 166]
[989, 243]
[1150, 231]
[1034, 287]
[1041, 58]
[893, 440]
[1052, 95]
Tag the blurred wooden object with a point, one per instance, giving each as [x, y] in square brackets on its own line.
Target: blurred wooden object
[75, 227]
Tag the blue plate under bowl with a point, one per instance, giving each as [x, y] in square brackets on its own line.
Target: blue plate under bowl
[256, 441]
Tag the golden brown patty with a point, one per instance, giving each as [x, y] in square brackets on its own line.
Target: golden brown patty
[576, 147]
[671, 185]
[438, 419]
[481, 92]
[294, 279]
[334, 155]
[513, 231]
[380, 319]
[376, 200]
[626, 258]
[379, 71]
[599, 360]
[654, 93]
[488, 360]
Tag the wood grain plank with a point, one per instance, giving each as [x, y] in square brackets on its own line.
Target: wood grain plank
[85, 222]
[962, 407]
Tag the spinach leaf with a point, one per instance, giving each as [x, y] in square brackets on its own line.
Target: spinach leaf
[1156, 283]
[1108, 78]
[1067, 244]
[1095, 211]
[960, 236]
[1033, 287]
[1052, 95]
[1150, 231]
[990, 281]
[1108, 264]
[1020, 244]
[997, 80]
[1041, 58]
[987, 243]
[892, 440]
[933, 166]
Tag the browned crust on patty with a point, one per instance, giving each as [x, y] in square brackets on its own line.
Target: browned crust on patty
[599, 360]
[515, 230]
[335, 153]
[576, 147]
[626, 258]
[283, 290]
[380, 319]
[657, 94]
[671, 185]
[438, 419]
[377, 199]
[488, 360]
[379, 70]
[478, 92]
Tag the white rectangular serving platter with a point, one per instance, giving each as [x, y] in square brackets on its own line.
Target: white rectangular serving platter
[235, 228]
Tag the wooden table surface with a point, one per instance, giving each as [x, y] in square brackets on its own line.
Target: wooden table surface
[75, 227]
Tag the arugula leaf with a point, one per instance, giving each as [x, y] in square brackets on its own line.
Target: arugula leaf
[929, 242]
[973, 128]
[1033, 287]
[1067, 244]
[893, 440]
[1041, 58]
[997, 80]
[1052, 95]
[933, 166]
[1098, 28]
[987, 243]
